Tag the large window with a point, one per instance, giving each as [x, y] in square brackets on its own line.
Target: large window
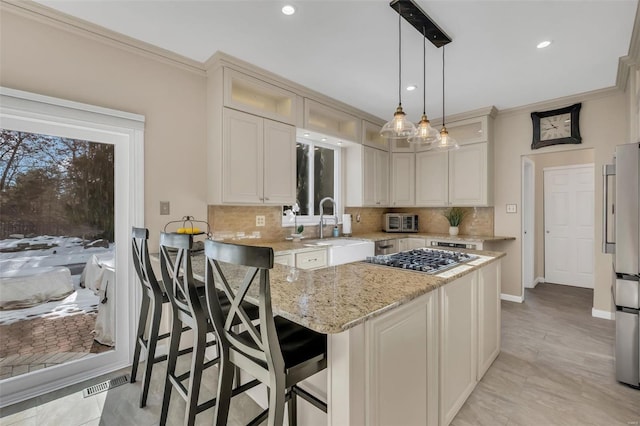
[317, 176]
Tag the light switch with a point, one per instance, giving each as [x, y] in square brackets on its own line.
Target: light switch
[512, 208]
[164, 208]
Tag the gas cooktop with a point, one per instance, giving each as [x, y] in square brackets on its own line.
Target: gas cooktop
[423, 260]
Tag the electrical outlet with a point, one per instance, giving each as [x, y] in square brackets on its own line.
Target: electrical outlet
[164, 208]
[512, 208]
[259, 220]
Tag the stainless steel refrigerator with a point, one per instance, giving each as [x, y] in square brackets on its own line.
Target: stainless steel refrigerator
[622, 211]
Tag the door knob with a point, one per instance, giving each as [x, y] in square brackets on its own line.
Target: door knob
[547, 232]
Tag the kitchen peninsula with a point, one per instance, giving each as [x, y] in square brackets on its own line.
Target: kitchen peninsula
[404, 347]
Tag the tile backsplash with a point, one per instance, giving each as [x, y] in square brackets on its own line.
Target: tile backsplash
[477, 221]
[233, 219]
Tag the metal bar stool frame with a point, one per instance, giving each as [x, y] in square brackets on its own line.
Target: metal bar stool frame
[187, 297]
[258, 350]
[153, 298]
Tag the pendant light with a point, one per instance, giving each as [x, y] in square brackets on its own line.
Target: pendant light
[425, 134]
[399, 127]
[446, 141]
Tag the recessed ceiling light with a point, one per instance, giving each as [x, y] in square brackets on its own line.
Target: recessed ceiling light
[306, 135]
[288, 9]
[543, 44]
[323, 139]
[339, 142]
[411, 87]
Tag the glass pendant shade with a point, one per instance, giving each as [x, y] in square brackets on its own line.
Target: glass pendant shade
[446, 142]
[399, 127]
[425, 134]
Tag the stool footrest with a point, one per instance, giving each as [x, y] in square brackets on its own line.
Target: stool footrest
[321, 405]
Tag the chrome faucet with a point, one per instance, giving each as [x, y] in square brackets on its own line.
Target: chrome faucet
[335, 214]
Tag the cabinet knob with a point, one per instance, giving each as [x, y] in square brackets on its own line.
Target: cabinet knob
[266, 198]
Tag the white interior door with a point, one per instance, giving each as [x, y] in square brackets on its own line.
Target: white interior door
[569, 232]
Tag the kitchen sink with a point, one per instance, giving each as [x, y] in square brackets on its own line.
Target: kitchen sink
[344, 250]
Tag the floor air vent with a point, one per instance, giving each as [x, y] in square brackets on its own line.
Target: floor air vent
[105, 386]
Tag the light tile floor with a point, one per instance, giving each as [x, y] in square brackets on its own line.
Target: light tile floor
[556, 368]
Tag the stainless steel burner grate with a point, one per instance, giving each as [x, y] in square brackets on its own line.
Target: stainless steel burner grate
[423, 260]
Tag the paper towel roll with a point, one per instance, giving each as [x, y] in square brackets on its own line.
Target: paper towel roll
[346, 224]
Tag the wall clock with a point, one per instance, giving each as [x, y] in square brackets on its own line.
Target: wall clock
[557, 126]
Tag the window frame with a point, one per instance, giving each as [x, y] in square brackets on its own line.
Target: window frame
[337, 184]
[35, 113]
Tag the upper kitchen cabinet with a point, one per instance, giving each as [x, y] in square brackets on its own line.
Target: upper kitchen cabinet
[331, 121]
[470, 176]
[461, 177]
[367, 174]
[252, 116]
[259, 161]
[432, 179]
[472, 130]
[371, 136]
[401, 145]
[403, 180]
[252, 95]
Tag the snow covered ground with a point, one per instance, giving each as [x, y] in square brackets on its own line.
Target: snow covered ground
[52, 251]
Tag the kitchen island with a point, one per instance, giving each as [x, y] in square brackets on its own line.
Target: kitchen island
[404, 347]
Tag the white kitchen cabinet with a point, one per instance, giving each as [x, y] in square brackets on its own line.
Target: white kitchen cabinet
[462, 177]
[470, 181]
[432, 178]
[472, 130]
[311, 259]
[403, 180]
[371, 136]
[287, 259]
[458, 345]
[401, 145]
[331, 121]
[489, 316]
[367, 175]
[392, 368]
[259, 160]
[303, 259]
[258, 97]
[415, 243]
[403, 244]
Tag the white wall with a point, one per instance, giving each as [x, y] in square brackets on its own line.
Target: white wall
[603, 125]
[43, 56]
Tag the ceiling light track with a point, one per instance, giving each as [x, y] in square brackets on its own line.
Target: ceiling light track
[414, 15]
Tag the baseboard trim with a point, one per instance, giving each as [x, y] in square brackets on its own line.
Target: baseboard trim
[537, 281]
[597, 313]
[511, 298]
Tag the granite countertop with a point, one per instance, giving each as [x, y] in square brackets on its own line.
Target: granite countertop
[377, 236]
[336, 298]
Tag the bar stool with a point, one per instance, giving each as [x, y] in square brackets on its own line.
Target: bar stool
[187, 298]
[277, 352]
[153, 297]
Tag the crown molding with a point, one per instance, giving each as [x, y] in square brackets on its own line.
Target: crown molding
[632, 59]
[46, 15]
[564, 101]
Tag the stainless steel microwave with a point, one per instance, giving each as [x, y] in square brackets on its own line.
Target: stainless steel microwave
[399, 222]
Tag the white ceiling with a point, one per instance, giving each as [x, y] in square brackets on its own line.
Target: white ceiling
[348, 50]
